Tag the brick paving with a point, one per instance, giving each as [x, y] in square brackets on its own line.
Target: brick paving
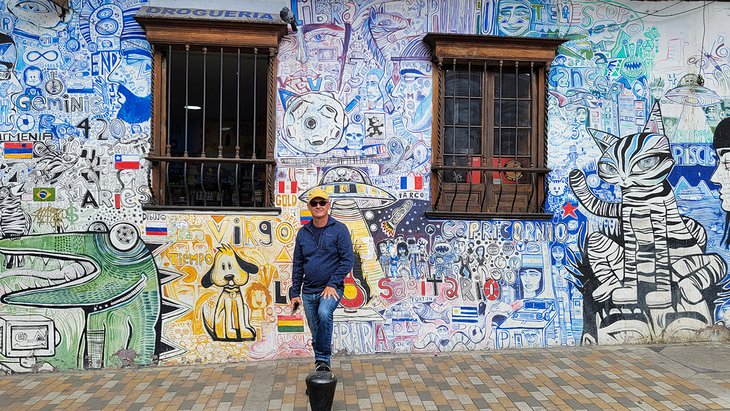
[585, 378]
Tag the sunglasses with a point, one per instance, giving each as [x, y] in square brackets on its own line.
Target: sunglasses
[321, 203]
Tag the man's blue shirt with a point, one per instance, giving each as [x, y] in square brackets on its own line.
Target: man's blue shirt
[318, 264]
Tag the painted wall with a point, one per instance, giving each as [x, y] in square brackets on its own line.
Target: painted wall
[635, 251]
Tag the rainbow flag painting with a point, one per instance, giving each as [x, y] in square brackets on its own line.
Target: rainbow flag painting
[290, 323]
[305, 216]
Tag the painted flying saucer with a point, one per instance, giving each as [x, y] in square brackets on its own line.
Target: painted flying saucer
[346, 183]
[691, 92]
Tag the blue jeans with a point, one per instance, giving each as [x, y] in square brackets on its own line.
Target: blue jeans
[319, 312]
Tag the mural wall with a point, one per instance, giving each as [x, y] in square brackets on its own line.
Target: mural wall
[636, 250]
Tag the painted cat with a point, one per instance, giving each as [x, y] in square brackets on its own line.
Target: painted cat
[656, 246]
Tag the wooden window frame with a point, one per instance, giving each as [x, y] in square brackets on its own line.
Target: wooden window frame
[447, 48]
[210, 33]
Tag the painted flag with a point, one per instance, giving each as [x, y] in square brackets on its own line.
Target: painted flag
[411, 183]
[155, 228]
[305, 216]
[290, 323]
[18, 150]
[464, 314]
[44, 194]
[287, 187]
[126, 162]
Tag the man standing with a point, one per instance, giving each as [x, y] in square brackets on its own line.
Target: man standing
[323, 256]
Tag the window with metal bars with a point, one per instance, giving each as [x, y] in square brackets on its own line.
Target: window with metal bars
[213, 122]
[488, 131]
[216, 127]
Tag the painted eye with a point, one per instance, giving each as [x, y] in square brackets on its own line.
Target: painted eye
[606, 168]
[649, 162]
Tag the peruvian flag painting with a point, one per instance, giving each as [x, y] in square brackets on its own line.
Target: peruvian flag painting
[287, 187]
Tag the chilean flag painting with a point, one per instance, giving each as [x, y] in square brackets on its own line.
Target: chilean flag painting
[126, 162]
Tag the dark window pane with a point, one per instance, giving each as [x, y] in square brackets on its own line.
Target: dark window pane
[512, 113]
[504, 141]
[448, 111]
[523, 141]
[504, 87]
[475, 137]
[227, 128]
[523, 83]
[475, 108]
[456, 140]
[523, 116]
[476, 82]
[508, 88]
[505, 113]
[459, 83]
[462, 111]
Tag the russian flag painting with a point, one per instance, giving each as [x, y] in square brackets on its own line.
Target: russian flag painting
[155, 228]
[126, 162]
[20, 151]
[411, 183]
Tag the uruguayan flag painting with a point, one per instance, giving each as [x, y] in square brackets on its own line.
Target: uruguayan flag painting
[464, 314]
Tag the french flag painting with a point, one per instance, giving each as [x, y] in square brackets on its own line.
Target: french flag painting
[126, 162]
[411, 183]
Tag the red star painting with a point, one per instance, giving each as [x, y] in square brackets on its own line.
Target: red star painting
[569, 210]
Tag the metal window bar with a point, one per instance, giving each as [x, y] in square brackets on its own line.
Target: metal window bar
[456, 176]
[253, 152]
[235, 196]
[468, 130]
[499, 152]
[483, 174]
[179, 168]
[168, 145]
[516, 130]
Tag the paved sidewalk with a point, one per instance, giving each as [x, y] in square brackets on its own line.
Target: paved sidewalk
[648, 377]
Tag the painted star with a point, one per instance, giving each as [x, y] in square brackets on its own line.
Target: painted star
[569, 210]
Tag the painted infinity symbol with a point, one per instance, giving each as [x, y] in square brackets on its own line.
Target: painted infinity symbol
[50, 55]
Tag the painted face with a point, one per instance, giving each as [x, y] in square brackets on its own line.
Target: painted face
[558, 253]
[530, 279]
[321, 55]
[306, 178]
[33, 77]
[607, 31]
[8, 57]
[413, 90]
[372, 87]
[134, 72]
[721, 176]
[39, 13]
[513, 18]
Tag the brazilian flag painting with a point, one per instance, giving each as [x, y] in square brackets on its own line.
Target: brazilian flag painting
[44, 194]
